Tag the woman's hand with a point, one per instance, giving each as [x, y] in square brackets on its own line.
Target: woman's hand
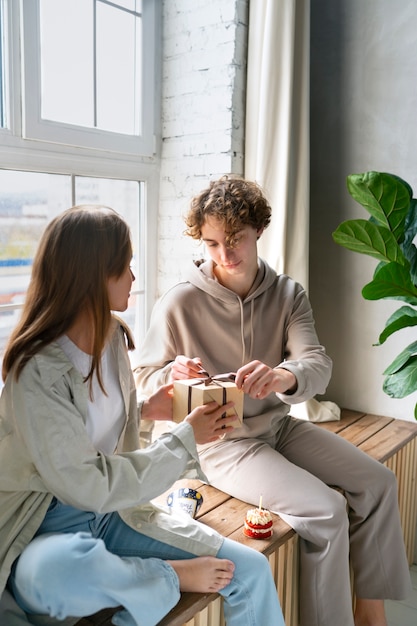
[259, 380]
[159, 405]
[184, 368]
[208, 423]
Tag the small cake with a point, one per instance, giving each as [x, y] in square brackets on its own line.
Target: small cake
[258, 524]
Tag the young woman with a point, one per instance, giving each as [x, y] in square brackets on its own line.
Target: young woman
[233, 313]
[74, 538]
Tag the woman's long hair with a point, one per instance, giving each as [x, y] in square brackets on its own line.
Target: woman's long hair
[77, 254]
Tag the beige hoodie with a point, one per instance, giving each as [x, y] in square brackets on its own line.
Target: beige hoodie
[199, 317]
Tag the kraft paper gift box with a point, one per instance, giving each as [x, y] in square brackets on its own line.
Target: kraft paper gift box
[188, 394]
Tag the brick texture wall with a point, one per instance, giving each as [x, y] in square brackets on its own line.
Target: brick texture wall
[203, 105]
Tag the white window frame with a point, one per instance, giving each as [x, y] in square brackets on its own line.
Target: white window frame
[40, 154]
[34, 127]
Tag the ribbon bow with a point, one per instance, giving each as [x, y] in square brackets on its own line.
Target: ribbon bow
[219, 378]
[208, 380]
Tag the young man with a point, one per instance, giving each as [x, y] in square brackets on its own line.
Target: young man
[235, 314]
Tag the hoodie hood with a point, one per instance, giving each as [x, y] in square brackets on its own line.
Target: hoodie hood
[202, 277]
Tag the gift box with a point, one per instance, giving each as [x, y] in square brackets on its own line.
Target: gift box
[188, 394]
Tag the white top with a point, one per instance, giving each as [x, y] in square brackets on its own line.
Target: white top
[105, 418]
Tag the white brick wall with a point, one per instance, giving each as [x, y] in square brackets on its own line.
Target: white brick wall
[203, 96]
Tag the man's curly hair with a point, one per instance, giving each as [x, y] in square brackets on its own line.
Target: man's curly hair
[232, 200]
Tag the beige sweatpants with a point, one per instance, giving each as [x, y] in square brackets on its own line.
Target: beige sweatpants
[294, 472]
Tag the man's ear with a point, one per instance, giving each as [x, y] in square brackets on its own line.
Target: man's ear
[259, 232]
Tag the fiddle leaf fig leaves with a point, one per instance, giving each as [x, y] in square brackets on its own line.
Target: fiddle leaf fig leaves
[368, 238]
[388, 236]
[403, 382]
[384, 196]
[398, 363]
[391, 281]
[403, 317]
[401, 375]
[410, 228]
[408, 247]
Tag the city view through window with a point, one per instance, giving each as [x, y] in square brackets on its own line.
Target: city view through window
[28, 201]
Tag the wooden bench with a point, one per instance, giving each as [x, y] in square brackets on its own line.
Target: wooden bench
[390, 441]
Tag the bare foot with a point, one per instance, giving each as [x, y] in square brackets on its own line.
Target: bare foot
[203, 574]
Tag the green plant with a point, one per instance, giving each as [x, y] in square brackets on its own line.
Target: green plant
[388, 236]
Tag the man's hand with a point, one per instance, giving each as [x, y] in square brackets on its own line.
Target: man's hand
[259, 380]
[184, 368]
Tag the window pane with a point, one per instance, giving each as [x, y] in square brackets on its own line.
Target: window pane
[91, 64]
[3, 122]
[131, 5]
[67, 68]
[124, 197]
[118, 70]
[8, 320]
[28, 201]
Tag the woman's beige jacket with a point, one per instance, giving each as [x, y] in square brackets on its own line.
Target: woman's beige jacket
[45, 451]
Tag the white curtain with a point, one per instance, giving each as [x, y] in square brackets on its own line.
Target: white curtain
[277, 127]
[277, 142]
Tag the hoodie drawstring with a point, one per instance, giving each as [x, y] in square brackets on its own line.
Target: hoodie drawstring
[242, 331]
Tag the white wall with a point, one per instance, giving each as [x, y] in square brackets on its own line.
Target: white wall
[363, 117]
[203, 95]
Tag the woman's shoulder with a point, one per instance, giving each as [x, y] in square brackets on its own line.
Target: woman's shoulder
[43, 370]
[51, 355]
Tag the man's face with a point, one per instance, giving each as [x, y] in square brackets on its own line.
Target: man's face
[239, 258]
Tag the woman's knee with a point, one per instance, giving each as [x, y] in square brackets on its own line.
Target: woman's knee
[49, 558]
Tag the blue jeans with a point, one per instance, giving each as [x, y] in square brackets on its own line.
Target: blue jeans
[81, 562]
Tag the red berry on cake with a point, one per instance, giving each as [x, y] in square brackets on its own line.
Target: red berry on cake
[258, 524]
